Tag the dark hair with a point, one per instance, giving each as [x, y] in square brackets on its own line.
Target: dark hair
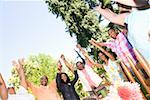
[11, 88]
[45, 77]
[68, 79]
[103, 54]
[78, 62]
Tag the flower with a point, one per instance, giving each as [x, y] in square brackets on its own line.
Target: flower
[124, 91]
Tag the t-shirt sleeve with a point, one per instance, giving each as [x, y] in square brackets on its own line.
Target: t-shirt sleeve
[126, 19]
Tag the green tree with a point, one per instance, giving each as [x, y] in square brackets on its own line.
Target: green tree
[35, 67]
[39, 65]
[80, 19]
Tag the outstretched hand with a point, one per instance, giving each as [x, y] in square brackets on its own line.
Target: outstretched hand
[62, 57]
[21, 61]
[59, 65]
[18, 65]
[93, 41]
[97, 8]
[78, 46]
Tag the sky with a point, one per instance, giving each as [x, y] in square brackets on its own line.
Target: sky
[27, 28]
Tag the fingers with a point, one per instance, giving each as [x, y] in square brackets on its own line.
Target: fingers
[21, 61]
[78, 46]
[59, 63]
[97, 8]
[16, 66]
[14, 63]
[90, 41]
[62, 56]
[93, 40]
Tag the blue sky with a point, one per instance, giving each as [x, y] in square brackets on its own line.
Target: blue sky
[27, 27]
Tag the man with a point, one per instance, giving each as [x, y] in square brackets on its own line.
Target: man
[42, 92]
[120, 45]
[89, 79]
[137, 22]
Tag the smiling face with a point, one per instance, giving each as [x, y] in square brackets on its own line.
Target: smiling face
[80, 65]
[64, 77]
[112, 33]
[102, 56]
[44, 80]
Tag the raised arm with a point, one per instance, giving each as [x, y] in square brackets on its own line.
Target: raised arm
[32, 87]
[58, 77]
[93, 42]
[20, 70]
[133, 3]
[3, 89]
[88, 58]
[111, 16]
[69, 65]
[76, 76]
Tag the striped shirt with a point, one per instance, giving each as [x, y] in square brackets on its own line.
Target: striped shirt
[122, 47]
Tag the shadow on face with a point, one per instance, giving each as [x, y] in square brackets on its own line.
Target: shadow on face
[44, 80]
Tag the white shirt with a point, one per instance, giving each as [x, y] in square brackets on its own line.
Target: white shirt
[113, 72]
[22, 94]
[94, 77]
[138, 29]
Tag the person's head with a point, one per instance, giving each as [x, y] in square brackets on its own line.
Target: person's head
[64, 78]
[80, 65]
[112, 33]
[11, 90]
[102, 56]
[44, 80]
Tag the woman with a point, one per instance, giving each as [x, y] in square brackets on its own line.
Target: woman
[113, 70]
[66, 86]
